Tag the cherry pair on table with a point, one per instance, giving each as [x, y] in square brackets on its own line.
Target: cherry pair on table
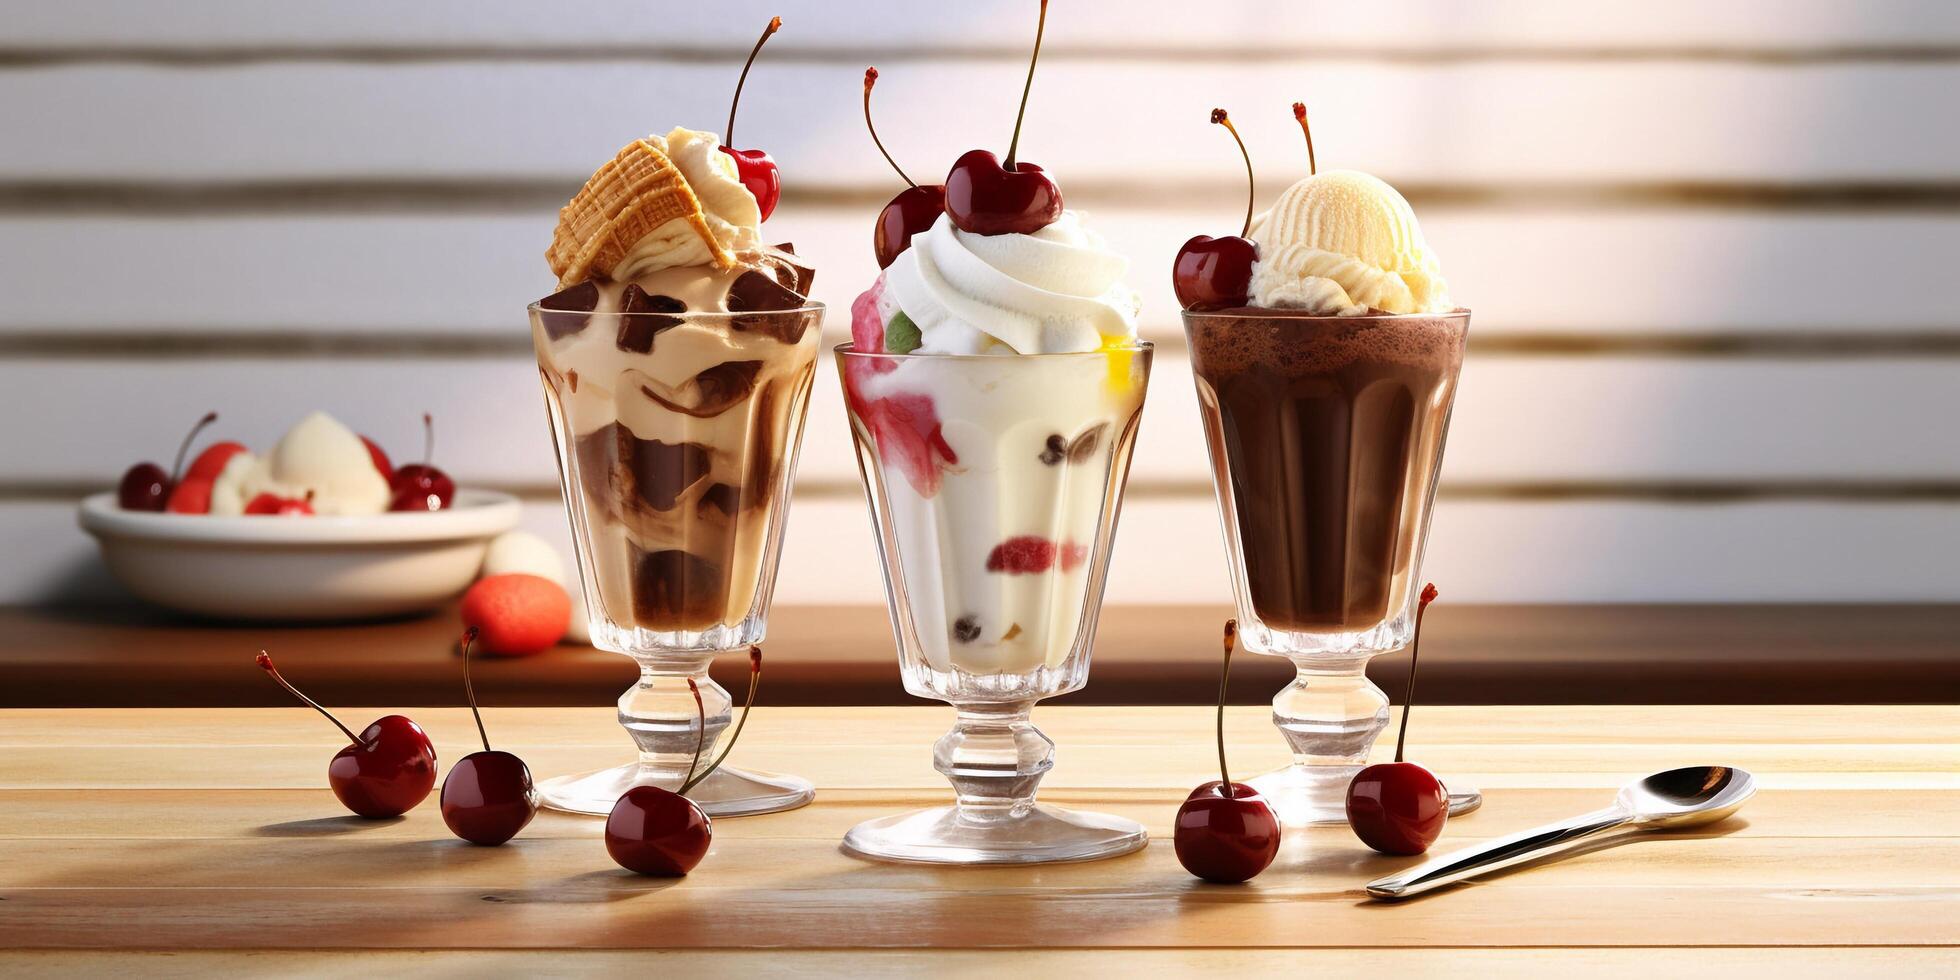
[390, 767]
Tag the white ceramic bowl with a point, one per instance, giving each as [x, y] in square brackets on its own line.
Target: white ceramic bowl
[299, 568]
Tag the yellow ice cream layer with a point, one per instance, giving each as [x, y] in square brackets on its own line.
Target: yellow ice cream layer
[1120, 350]
[1341, 243]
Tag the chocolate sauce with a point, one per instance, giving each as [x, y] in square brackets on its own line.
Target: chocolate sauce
[1329, 432]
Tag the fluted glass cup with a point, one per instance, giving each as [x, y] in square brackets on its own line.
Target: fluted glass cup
[1326, 435]
[677, 437]
[994, 485]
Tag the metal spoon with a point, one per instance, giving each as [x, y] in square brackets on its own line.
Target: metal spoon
[1665, 800]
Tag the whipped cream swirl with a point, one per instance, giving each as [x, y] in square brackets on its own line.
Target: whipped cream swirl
[1057, 290]
[730, 211]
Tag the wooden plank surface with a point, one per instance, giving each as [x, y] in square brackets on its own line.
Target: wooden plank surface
[1473, 654]
[1846, 861]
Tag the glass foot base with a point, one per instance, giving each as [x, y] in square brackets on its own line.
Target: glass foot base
[730, 792]
[1303, 795]
[1039, 835]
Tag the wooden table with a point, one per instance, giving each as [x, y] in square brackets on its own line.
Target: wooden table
[209, 835]
[1472, 654]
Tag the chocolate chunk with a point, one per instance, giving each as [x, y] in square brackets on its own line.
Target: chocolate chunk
[1055, 451]
[571, 378]
[791, 271]
[614, 463]
[637, 300]
[966, 629]
[721, 497]
[678, 588]
[756, 291]
[722, 387]
[648, 317]
[563, 313]
[1085, 444]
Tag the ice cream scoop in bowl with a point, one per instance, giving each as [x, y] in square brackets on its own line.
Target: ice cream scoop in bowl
[316, 568]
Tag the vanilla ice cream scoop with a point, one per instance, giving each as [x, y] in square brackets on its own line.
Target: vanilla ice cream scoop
[317, 457]
[1340, 243]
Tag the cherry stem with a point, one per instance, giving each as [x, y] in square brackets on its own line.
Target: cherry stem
[700, 739]
[178, 467]
[469, 640]
[1300, 113]
[428, 438]
[728, 132]
[1014, 145]
[265, 661]
[1224, 678]
[1415, 650]
[748, 708]
[1218, 116]
[870, 79]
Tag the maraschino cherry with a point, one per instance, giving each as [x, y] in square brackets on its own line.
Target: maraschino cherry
[146, 486]
[1399, 807]
[1225, 831]
[914, 209]
[653, 831]
[420, 486]
[989, 196]
[1216, 273]
[488, 796]
[756, 168]
[389, 768]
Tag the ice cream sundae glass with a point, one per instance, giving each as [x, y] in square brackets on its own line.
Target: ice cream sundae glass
[677, 358]
[994, 384]
[1326, 351]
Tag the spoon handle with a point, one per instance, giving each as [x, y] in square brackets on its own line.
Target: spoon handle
[1500, 853]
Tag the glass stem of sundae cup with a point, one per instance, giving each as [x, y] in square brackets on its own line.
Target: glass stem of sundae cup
[1330, 717]
[660, 715]
[995, 759]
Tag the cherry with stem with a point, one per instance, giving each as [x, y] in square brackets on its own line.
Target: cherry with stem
[1300, 116]
[420, 486]
[386, 770]
[146, 486]
[1216, 273]
[488, 796]
[912, 211]
[1225, 831]
[988, 196]
[756, 169]
[1400, 807]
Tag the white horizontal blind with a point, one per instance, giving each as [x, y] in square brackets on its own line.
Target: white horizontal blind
[1709, 248]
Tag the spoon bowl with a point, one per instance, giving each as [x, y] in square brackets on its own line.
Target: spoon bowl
[1687, 797]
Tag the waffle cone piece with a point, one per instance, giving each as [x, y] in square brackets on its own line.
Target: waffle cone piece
[635, 193]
